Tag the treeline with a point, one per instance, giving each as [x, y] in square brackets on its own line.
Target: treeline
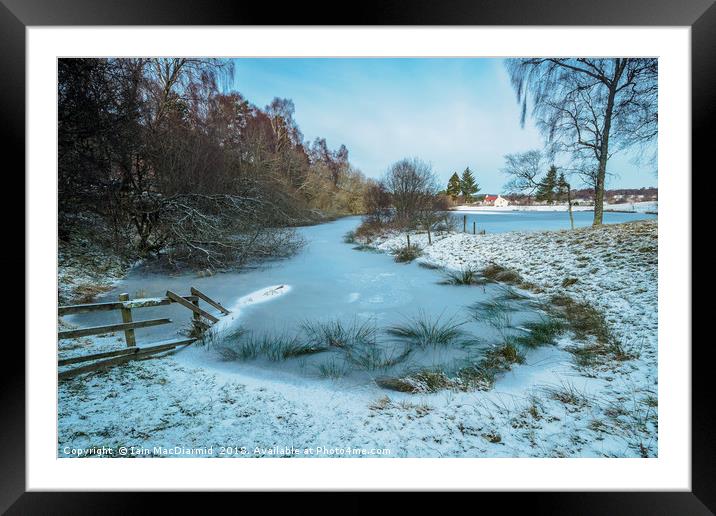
[170, 165]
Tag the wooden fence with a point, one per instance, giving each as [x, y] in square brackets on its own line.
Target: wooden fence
[126, 307]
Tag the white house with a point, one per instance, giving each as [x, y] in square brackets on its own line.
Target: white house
[501, 202]
[495, 200]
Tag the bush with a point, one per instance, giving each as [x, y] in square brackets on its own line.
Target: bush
[407, 253]
[349, 237]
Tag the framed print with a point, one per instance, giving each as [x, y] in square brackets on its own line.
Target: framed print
[419, 249]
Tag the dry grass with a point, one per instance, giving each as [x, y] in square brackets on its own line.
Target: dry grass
[407, 254]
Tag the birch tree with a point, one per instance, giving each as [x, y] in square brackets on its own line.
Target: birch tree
[589, 108]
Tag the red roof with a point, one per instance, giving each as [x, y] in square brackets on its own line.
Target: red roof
[490, 197]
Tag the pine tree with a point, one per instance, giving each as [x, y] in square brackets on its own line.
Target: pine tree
[468, 185]
[562, 187]
[548, 186]
[454, 188]
[564, 191]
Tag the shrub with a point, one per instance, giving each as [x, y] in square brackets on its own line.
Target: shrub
[349, 237]
[407, 254]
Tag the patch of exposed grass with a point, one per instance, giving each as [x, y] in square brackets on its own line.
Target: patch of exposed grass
[568, 394]
[581, 317]
[381, 403]
[511, 294]
[426, 380]
[502, 357]
[568, 282]
[541, 333]
[476, 376]
[423, 331]
[366, 248]
[407, 254]
[466, 276]
[496, 272]
[431, 266]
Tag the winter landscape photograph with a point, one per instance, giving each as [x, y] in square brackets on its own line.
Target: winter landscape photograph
[357, 257]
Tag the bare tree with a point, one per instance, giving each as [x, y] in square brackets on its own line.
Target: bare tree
[412, 186]
[590, 107]
[523, 169]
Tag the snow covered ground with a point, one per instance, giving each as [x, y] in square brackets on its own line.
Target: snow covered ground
[190, 403]
[637, 207]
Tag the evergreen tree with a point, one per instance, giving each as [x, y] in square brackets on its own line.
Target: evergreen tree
[468, 185]
[454, 187]
[547, 189]
[562, 187]
[564, 192]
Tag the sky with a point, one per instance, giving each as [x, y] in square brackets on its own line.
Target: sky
[452, 113]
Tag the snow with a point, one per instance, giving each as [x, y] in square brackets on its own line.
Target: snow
[637, 207]
[259, 296]
[515, 208]
[193, 401]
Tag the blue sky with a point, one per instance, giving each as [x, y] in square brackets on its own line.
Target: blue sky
[452, 113]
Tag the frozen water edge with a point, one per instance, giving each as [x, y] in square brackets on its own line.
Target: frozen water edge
[183, 400]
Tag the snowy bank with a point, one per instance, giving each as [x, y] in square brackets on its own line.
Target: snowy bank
[632, 207]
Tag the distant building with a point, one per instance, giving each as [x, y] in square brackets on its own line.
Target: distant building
[495, 200]
[501, 202]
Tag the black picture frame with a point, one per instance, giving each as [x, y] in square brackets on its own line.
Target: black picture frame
[17, 15]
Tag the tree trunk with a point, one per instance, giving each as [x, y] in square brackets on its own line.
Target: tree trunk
[604, 147]
[569, 206]
[599, 192]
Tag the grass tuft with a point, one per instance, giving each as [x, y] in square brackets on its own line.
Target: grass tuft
[241, 345]
[466, 276]
[496, 272]
[336, 334]
[541, 333]
[569, 281]
[582, 318]
[407, 254]
[422, 331]
[423, 381]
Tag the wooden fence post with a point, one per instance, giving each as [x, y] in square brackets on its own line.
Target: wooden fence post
[474, 228]
[196, 320]
[127, 318]
[464, 223]
[407, 235]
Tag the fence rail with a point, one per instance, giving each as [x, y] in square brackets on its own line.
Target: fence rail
[117, 305]
[132, 351]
